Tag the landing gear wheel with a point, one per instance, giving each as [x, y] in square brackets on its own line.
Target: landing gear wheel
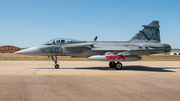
[118, 66]
[55, 61]
[112, 64]
[57, 66]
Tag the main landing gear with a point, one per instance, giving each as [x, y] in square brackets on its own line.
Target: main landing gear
[55, 60]
[117, 65]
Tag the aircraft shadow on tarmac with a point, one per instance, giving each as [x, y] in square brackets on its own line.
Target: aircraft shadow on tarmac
[133, 68]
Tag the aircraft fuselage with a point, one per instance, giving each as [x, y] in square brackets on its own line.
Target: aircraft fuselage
[99, 48]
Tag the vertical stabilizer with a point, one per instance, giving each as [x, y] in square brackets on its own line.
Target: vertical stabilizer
[150, 33]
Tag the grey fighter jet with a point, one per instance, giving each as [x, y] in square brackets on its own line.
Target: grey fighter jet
[145, 42]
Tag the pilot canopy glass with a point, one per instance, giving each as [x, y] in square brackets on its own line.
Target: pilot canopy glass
[58, 41]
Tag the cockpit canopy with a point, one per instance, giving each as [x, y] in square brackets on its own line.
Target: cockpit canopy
[58, 41]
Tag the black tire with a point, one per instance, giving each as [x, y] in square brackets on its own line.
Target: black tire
[112, 64]
[56, 66]
[119, 66]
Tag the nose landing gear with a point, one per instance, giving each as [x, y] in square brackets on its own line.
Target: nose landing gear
[55, 60]
[117, 65]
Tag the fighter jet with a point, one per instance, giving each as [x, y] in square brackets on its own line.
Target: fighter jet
[145, 42]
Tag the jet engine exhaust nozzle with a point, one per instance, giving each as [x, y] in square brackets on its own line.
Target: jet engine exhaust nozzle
[167, 48]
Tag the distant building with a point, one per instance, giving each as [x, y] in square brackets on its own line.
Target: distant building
[9, 49]
[175, 53]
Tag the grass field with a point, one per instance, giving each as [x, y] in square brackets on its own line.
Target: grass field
[161, 58]
[16, 57]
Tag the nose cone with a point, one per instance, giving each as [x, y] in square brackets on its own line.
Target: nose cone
[29, 51]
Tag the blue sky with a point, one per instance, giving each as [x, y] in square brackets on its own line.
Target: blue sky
[28, 23]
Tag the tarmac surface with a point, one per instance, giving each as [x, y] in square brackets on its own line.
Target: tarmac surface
[89, 80]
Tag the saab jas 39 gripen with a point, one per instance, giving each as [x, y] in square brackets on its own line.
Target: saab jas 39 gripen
[145, 42]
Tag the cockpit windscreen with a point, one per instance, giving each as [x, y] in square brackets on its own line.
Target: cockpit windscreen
[58, 41]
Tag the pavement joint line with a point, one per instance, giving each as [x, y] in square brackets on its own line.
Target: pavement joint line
[86, 74]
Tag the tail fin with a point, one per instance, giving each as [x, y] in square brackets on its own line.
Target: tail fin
[150, 33]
